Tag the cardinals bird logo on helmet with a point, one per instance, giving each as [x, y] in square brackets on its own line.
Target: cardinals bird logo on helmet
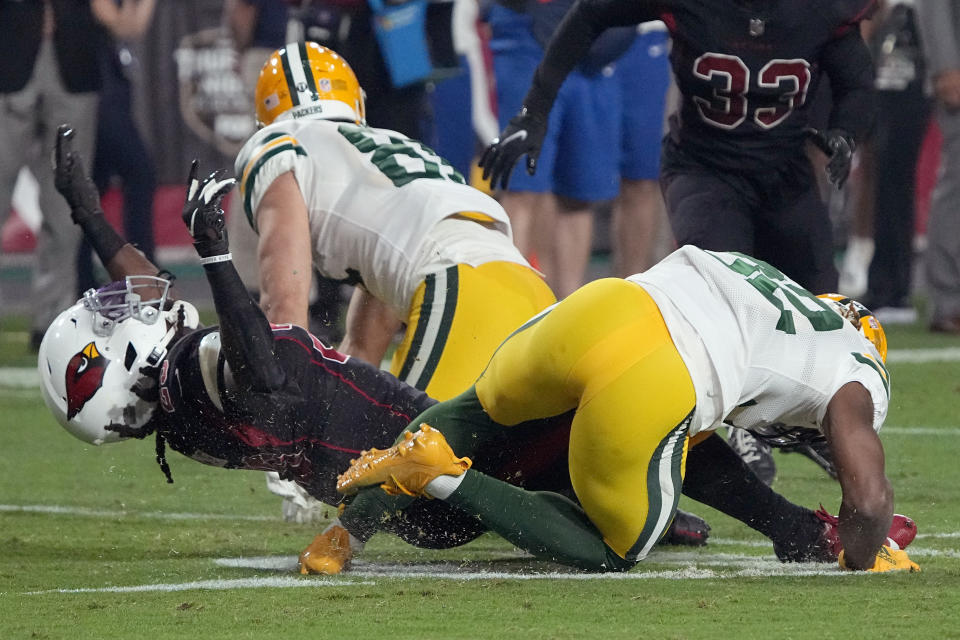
[84, 378]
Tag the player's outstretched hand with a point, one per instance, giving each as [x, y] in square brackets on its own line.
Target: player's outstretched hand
[203, 214]
[838, 146]
[889, 559]
[523, 135]
[71, 180]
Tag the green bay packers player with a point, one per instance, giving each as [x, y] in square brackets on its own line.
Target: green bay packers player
[374, 208]
[649, 365]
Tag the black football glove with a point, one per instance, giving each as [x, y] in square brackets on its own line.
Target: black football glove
[838, 146]
[523, 135]
[71, 180]
[203, 214]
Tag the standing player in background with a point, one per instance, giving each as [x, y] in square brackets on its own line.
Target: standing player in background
[734, 173]
[374, 208]
[377, 209]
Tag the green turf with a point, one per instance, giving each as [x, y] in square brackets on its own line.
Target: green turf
[136, 540]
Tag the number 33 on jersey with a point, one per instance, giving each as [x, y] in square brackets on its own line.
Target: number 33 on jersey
[748, 70]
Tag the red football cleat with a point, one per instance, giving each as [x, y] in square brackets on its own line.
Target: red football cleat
[902, 532]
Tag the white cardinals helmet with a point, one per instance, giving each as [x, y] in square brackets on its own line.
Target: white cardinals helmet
[91, 355]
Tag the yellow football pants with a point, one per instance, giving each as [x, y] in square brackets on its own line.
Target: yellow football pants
[606, 352]
[457, 319]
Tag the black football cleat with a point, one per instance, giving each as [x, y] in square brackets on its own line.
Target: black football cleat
[686, 529]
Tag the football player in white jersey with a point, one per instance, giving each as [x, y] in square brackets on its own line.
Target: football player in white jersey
[376, 209]
[650, 366]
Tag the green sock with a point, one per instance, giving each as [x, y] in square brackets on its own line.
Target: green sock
[465, 425]
[369, 510]
[546, 524]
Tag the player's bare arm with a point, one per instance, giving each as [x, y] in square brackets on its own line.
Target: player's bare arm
[284, 252]
[371, 325]
[866, 509]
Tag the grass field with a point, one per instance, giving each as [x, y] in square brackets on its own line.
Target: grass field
[96, 545]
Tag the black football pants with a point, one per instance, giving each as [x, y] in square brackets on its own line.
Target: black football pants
[722, 211]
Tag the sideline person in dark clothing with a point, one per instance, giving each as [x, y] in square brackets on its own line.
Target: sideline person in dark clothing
[121, 150]
[50, 74]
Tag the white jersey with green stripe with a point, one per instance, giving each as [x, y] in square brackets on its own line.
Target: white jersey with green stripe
[373, 198]
[761, 350]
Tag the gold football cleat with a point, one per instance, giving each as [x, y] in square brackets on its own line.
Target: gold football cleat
[407, 467]
[329, 553]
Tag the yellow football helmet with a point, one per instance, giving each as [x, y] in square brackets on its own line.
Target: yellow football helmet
[861, 318]
[304, 79]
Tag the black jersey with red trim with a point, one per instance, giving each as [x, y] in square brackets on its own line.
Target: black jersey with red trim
[331, 407]
[746, 70]
[747, 73]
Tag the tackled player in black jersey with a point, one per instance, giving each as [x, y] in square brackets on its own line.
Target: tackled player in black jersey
[241, 395]
[248, 395]
[734, 172]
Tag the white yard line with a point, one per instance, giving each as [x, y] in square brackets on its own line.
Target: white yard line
[236, 583]
[19, 377]
[691, 565]
[451, 572]
[107, 513]
[921, 431]
[933, 553]
[20, 393]
[920, 356]
[952, 534]
[687, 573]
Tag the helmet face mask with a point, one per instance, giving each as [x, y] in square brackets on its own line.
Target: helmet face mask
[861, 318]
[91, 356]
[306, 80]
[123, 299]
